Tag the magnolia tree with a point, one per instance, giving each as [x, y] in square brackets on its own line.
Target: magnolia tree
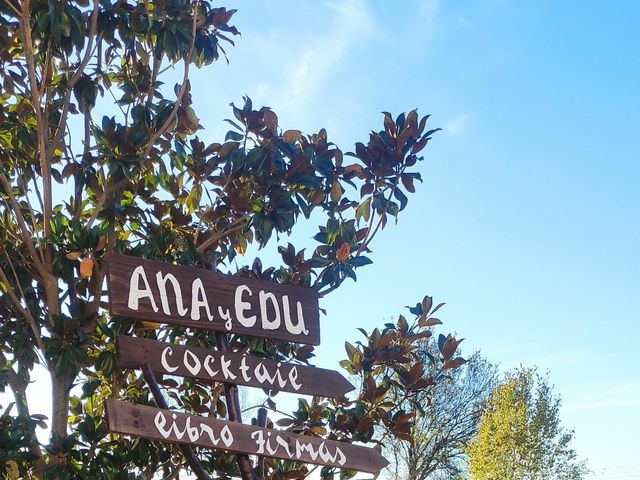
[142, 182]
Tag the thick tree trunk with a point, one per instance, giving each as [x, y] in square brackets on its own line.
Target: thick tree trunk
[60, 387]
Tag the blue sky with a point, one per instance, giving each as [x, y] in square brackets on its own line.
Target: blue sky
[528, 221]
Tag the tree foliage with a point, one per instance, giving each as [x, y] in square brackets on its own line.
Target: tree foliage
[520, 436]
[97, 155]
[446, 418]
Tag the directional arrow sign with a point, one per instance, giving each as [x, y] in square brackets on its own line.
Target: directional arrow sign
[194, 297]
[229, 367]
[165, 425]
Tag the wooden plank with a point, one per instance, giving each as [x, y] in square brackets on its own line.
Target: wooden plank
[229, 367]
[194, 297]
[168, 426]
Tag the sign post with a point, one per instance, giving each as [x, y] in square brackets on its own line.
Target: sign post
[168, 426]
[193, 297]
[229, 367]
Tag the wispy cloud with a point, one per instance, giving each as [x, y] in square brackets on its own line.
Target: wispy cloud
[457, 123]
[310, 70]
[428, 10]
[606, 395]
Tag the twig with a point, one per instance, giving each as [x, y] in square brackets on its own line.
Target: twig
[187, 451]
[103, 198]
[183, 89]
[23, 311]
[235, 226]
[24, 231]
[76, 76]
[19, 387]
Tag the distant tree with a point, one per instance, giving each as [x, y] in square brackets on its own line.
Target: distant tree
[520, 436]
[446, 417]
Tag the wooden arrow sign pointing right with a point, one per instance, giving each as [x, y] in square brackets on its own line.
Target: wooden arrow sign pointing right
[229, 367]
[165, 425]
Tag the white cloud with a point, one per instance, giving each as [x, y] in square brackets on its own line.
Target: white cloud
[457, 123]
[310, 70]
[607, 395]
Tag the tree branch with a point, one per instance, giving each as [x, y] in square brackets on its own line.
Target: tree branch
[103, 198]
[187, 451]
[76, 76]
[238, 224]
[24, 231]
[23, 311]
[183, 89]
[233, 410]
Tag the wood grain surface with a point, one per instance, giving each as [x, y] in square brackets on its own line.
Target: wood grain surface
[229, 367]
[166, 425]
[194, 297]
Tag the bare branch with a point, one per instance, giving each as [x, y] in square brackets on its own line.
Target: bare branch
[23, 311]
[24, 231]
[187, 451]
[76, 76]
[183, 89]
[103, 198]
[234, 227]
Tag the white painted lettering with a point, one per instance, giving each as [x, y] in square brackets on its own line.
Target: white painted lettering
[258, 436]
[284, 445]
[160, 422]
[267, 323]
[271, 451]
[242, 306]
[225, 368]
[281, 381]
[301, 447]
[162, 286]
[195, 365]
[163, 360]
[226, 436]
[244, 368]
[204, 428]
[293, 378]
[136, 293]
[209, 359]
[225, 315]
[199, 300]
[291, 328]
[175, 428]
[192, 432]
[262, 374]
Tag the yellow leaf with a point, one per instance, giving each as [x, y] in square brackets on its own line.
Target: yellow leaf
[11, 469]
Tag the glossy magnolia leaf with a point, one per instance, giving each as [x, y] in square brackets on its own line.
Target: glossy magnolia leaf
[429, 322]
[351, 350]
[360, 261]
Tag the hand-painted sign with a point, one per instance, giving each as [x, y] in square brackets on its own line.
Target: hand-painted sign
[166, 425]
[229, 367]
[195, 297]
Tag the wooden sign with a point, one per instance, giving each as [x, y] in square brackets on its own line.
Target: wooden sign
[166, 425]
[229, 367]
[194, 297]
